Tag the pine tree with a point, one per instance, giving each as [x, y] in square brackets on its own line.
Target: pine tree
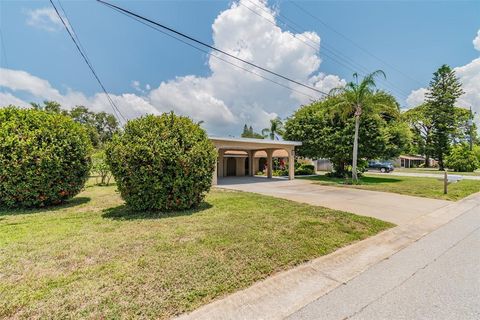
[444, 90]
[245, 131]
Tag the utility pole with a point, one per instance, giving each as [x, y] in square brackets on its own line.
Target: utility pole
[470, 125]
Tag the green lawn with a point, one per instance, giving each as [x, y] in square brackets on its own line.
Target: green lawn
[92, 258]
[435, 171]
[413, 186]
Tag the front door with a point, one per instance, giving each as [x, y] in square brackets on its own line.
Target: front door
[231, 167]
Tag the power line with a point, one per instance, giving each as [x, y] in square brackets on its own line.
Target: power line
[353, 42]
[74, 38]
[4, 50]
[214, 56]
[330, 51]
[183, 35]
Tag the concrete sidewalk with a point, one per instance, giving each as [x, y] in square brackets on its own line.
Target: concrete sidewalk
[392, 207]
[286, 293]
[437, 277]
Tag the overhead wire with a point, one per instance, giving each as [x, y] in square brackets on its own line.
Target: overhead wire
[354, 42]
[215, 56]
[4, 50]
[331, 53]
[75, 40]
[202, 43]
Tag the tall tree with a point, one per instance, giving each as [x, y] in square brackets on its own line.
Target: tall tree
[330, 136]
[358, 99]
[443, 92]
[422, 127]
[275, 129]
[100, 126]
[49, 106]
[249, 133]
[245, 130]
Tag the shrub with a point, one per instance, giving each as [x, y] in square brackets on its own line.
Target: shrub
[462, 159]
[101, 169]
[305, 169]
[280, 172]
[44, 158]
[162, 163]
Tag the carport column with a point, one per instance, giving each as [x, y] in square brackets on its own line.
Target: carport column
[250, 163]
[269, 163]
[214, 177]
[291, 164]
[220, 163]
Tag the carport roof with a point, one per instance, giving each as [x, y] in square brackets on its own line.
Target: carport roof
[260, 142]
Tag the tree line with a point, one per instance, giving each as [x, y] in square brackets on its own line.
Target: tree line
[360, 122]
[100, 126]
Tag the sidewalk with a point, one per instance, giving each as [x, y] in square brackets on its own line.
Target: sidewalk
[283, 294]
[437, 277]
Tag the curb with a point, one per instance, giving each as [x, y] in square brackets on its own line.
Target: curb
[282, 294]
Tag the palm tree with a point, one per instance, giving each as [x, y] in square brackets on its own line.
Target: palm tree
[358, 98]
[276, 129]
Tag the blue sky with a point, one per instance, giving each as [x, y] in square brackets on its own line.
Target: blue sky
[415, 37]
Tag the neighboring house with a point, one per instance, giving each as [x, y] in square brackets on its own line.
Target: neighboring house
[322, 165]
[412, 161]
[404, 161]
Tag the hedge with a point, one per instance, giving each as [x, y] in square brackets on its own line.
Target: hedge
[44, 158]
[162, 163]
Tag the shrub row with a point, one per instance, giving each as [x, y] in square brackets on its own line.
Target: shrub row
[44, 158]
[162, 163]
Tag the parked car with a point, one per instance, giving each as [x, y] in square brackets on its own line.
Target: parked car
[382, 166]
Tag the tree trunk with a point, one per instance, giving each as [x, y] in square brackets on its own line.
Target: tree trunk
[427, 153]
[355, 147]
[427, 161]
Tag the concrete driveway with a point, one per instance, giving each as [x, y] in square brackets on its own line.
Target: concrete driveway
[396, 208]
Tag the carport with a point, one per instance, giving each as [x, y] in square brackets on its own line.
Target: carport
[242, 156]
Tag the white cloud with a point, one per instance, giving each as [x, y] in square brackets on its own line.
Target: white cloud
[416, 97]
[38, 89]
[229, 96]
[469, 76]
[44, 18]
[9, 99]
[476, 41]
[235, 96]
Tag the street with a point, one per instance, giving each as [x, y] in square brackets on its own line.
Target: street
[437, 277]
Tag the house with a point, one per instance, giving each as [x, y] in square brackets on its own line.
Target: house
[412, 161]
[245, 156]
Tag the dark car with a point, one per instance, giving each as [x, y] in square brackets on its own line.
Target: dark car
[382, 166]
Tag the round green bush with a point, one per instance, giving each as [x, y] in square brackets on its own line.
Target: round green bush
[44, 158]
[462, 159]
[162, 163]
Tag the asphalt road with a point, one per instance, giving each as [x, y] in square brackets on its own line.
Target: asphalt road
[437, 277]
[423, 175]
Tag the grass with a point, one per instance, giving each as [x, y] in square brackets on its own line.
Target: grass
[93, 258]
[412, 186]
[435, 171]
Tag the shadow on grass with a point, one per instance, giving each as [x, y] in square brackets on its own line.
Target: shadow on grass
[363, 180]
[125, 213]
[68, 204]
[375, 180]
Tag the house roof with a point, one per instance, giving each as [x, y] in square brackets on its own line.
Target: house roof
[407, 157]
[258, 154]
[257, 141]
